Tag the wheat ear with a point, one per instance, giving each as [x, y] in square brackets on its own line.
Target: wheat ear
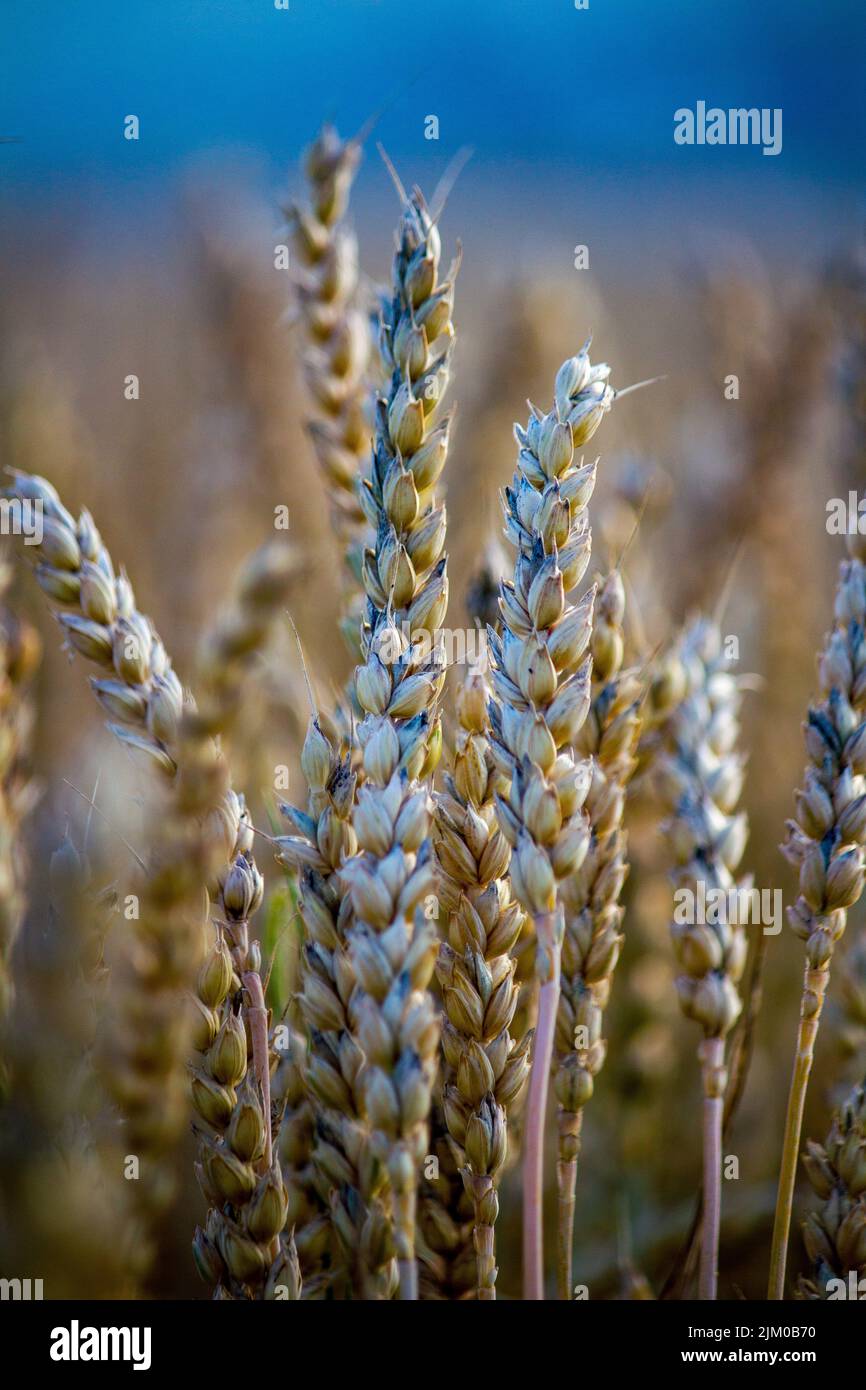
[348, 1179]
[448, 1267]
[392, 944]
[824, 842]
[541, 684]
[19, 659]
[486, 1070]
[338, 337]
[699, 778]
[835, 1234]
[150, 1043]
[593, 914]
[240, 1250]
[197, 831]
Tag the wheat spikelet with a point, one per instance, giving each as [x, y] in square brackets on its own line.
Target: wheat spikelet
[824, 842]
[541, 684]
[486, 1071]
[19, 658]
[835, 1233]
[593, 914]
[699, 778]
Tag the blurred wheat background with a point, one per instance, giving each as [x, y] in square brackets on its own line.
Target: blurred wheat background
[157, 258]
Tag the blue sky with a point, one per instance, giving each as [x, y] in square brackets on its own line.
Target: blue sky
[526, 83]
[514, 80]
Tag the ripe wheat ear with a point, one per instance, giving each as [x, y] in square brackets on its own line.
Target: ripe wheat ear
[541, 696]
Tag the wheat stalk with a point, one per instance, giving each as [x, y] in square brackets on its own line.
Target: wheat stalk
[835, 1234]
[593, 914]
[824, 842]
[699, 779]
[486, 1070]
[541, 684]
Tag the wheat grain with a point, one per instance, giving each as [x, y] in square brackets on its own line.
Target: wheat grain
[541, 683]
[824, 842]
[593, 914]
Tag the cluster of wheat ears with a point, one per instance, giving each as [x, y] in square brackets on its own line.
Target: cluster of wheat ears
[459, 891]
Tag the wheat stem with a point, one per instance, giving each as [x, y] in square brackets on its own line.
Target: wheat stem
[713, 1056]
[548, 936]
[257, 1014]
[814, 989]
[566, 1190]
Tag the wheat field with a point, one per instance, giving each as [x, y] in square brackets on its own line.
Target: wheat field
[431, 846]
